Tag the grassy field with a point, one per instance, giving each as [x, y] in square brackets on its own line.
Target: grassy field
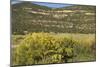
[48, 48]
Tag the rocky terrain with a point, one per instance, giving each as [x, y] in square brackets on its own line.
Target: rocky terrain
[31, 17]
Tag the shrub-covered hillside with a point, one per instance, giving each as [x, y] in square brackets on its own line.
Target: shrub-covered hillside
[31, 17]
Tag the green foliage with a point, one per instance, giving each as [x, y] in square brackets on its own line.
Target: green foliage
[45, 48]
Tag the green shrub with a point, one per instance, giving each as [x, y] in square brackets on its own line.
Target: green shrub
[41, 48]
[45, 48]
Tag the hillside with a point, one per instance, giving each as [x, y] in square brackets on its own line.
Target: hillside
[80, 7]
[35, 18]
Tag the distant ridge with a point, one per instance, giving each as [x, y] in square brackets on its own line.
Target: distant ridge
[29, 4]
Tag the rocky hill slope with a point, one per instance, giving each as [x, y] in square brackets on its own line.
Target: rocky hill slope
[31, 17]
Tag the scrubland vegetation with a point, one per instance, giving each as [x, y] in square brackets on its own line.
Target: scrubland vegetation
[42, 35]
[46, 48]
